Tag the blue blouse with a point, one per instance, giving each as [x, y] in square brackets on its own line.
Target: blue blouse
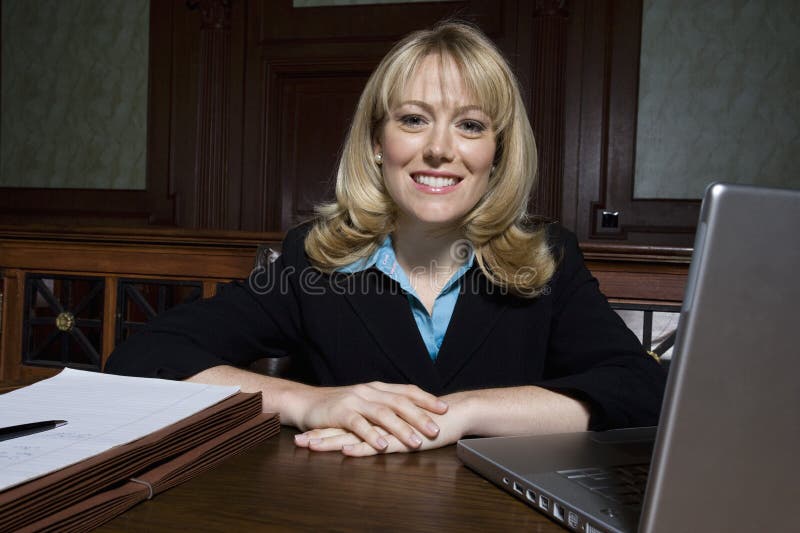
[432, 327]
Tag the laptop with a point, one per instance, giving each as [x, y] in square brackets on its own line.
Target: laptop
[726, 453]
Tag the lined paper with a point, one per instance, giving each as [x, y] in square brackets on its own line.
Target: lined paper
[101, 410]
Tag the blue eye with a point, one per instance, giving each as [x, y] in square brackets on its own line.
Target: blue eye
[413, 121]
[472, 126]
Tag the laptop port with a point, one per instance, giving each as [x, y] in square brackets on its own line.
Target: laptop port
[573, 520]
[531, 496]
[544, 502]
[505, 481]
[558, 511]
[518, 488]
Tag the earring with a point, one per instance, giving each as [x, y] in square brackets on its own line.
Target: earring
[491, 172]
[379, 158]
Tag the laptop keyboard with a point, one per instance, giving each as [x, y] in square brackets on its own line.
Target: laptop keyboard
[620, 484]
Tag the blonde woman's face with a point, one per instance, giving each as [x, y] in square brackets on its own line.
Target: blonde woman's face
[438, 147]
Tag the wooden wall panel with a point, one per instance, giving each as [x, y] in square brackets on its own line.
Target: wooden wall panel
[212, 178]
[305, 70]
[600, 135]
[362, 23]
[155, 204]
[548, 50]
[310, 122]
[250, 101]
[184, 131]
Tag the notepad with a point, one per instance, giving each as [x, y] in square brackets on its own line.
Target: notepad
[102, 411]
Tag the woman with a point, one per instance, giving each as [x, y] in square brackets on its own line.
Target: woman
[422, 305]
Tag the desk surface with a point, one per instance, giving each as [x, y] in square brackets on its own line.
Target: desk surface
[276, 485]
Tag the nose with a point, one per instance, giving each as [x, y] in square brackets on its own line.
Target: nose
[439, 147]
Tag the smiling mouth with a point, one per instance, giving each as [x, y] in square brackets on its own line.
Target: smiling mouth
[436, 182]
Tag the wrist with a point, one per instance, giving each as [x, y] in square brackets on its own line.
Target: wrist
[292, 403]
[463, 407]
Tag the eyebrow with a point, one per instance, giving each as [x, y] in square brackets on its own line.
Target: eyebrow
[427, 107]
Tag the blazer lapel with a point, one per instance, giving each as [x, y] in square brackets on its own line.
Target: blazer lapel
[385, 312]
[477, 311]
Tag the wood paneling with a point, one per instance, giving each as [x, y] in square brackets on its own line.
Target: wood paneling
[600, 135]
[305, 70]
[361, 24]
[250, 101]
[154, 205]
[549, 50]
[113, 254]
[213, 148]
[309, 119]
[110, 302]
[11, 337]
[641, 275]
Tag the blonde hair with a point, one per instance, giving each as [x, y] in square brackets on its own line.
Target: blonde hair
[510, 250]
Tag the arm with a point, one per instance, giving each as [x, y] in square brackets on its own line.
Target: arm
[517, 410]
[243, 322]
[485, 412]
[592, 355]
[358, 409]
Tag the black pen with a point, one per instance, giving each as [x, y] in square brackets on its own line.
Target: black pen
[12, 432]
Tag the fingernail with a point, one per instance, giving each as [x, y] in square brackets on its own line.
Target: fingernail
[347, 447]
[301, 439]
[433, 428]
[441, 405]
[382, 442]
[415, 439]
[315, 441]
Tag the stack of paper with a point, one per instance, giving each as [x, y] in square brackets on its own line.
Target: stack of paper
[126, 439]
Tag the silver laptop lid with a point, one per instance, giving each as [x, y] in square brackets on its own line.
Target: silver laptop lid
[726, 454]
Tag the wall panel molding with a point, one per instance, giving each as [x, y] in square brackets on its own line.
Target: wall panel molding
[549, 49]
[212, 151]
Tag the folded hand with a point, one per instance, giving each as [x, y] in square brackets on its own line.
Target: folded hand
[452, 426]
[379, 415]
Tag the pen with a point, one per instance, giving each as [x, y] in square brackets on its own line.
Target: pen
[12, 432]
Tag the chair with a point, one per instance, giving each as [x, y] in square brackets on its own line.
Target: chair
[647, 318]
[276, 362]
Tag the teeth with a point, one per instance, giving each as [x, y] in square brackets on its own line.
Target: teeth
[432, 181]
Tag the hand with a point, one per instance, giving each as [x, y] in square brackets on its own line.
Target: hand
[340, 440]
[453, 426]
[377, 414]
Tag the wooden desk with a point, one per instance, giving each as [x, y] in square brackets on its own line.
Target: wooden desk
[278, 486]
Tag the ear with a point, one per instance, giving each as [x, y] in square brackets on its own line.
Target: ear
[376, 146]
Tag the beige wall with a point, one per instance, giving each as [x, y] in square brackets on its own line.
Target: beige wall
[719, 95]
[74, 93]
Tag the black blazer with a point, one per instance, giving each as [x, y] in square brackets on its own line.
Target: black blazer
[344, 329]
